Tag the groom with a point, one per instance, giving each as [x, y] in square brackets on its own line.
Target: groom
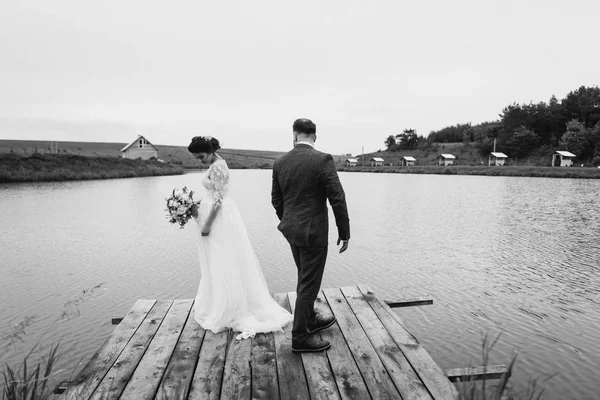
[303, 180]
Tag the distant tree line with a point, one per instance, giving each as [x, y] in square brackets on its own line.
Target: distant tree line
[571, 124]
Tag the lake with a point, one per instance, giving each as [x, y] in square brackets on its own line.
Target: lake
[519, 257]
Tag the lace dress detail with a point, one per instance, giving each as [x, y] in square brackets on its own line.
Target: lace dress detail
[233, 293]
[216, 181]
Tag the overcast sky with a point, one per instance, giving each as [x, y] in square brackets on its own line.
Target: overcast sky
[242, 71]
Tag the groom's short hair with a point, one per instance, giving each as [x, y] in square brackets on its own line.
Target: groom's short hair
[305, 125]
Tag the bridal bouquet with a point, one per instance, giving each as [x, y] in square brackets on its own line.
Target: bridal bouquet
[180, 206]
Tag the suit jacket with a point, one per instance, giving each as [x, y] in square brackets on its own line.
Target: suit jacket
[303, 180]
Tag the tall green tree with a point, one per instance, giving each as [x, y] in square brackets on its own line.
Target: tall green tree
[451, 134]
[583, 104]
[486, 130]
[390, 141]
[595, 143]
[408, 139]
[575, 139]
[521, 142]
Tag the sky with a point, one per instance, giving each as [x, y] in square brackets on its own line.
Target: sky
[243, 71]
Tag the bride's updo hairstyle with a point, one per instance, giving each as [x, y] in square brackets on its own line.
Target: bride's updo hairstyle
[204, 144]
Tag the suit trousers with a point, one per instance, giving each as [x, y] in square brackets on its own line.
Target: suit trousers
[310, 262]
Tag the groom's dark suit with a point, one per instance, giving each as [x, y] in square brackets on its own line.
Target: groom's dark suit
[303, 180]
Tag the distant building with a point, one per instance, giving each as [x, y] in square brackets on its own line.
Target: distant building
[446, 159]
[408, 161]
[562, 159]
[497, 158]
[140, 148]
[376, 162]
[351, 162]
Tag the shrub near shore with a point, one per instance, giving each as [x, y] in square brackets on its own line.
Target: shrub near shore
[540, 172]
[55, 167]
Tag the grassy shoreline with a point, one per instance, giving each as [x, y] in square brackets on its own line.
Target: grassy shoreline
[523, 171]
[55, 167]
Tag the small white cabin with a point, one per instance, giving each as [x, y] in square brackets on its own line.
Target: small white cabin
[351, 162]
[562, 159]
[446, 159]
[376, 162]
[408, 161]
[140, 148]
[497, 158]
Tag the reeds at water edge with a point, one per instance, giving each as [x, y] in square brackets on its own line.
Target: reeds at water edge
[497, 389]
[32, 379]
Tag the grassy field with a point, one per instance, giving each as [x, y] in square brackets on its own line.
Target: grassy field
[65, 167]
[465, 154]
[179, 155]
[542, 172]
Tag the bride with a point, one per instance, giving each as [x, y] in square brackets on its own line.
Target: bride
[233, 293]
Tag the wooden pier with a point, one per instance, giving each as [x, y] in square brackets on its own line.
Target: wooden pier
[158, 351]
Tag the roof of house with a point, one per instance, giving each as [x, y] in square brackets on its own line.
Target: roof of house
[378, 159]
[447, 156]
[352, 160]
[135, 141]
[499, 155]
[409, 158]
[566, 153]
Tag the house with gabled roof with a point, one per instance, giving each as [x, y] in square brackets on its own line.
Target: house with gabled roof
[445, 159]
[376, 162]
[408, 161]
[562, 158]
[140, 148]
[496, 158]
[351, 162]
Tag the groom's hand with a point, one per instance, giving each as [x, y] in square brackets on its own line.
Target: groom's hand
[344, 245]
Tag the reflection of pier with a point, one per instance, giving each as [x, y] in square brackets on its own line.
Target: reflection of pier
[159, 351]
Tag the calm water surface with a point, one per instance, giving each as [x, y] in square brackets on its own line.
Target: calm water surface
[518, 257]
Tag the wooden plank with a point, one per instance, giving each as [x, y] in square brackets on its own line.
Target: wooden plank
[208, 377]
[237, 373]
[321, 383]
[430, 373]
[477, 373]
[345, 371]
[417, 301]
[180, 370]
[144, 382]
[264, 367]
[404, 377]
[118, 376]
[372, 369]
[92, 374]
[290, 371]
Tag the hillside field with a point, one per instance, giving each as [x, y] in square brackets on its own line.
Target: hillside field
[236, 158]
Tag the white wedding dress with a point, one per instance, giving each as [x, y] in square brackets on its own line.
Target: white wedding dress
[233, 293]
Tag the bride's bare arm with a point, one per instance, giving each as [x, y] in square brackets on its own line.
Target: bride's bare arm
[211, 217]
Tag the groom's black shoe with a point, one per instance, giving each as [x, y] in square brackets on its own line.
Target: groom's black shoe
[310, 345]
[320, 323]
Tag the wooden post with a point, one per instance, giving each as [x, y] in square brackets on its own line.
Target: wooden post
[477, 373]
[418, 301]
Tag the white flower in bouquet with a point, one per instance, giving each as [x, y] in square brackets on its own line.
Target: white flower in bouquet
[180, 206]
